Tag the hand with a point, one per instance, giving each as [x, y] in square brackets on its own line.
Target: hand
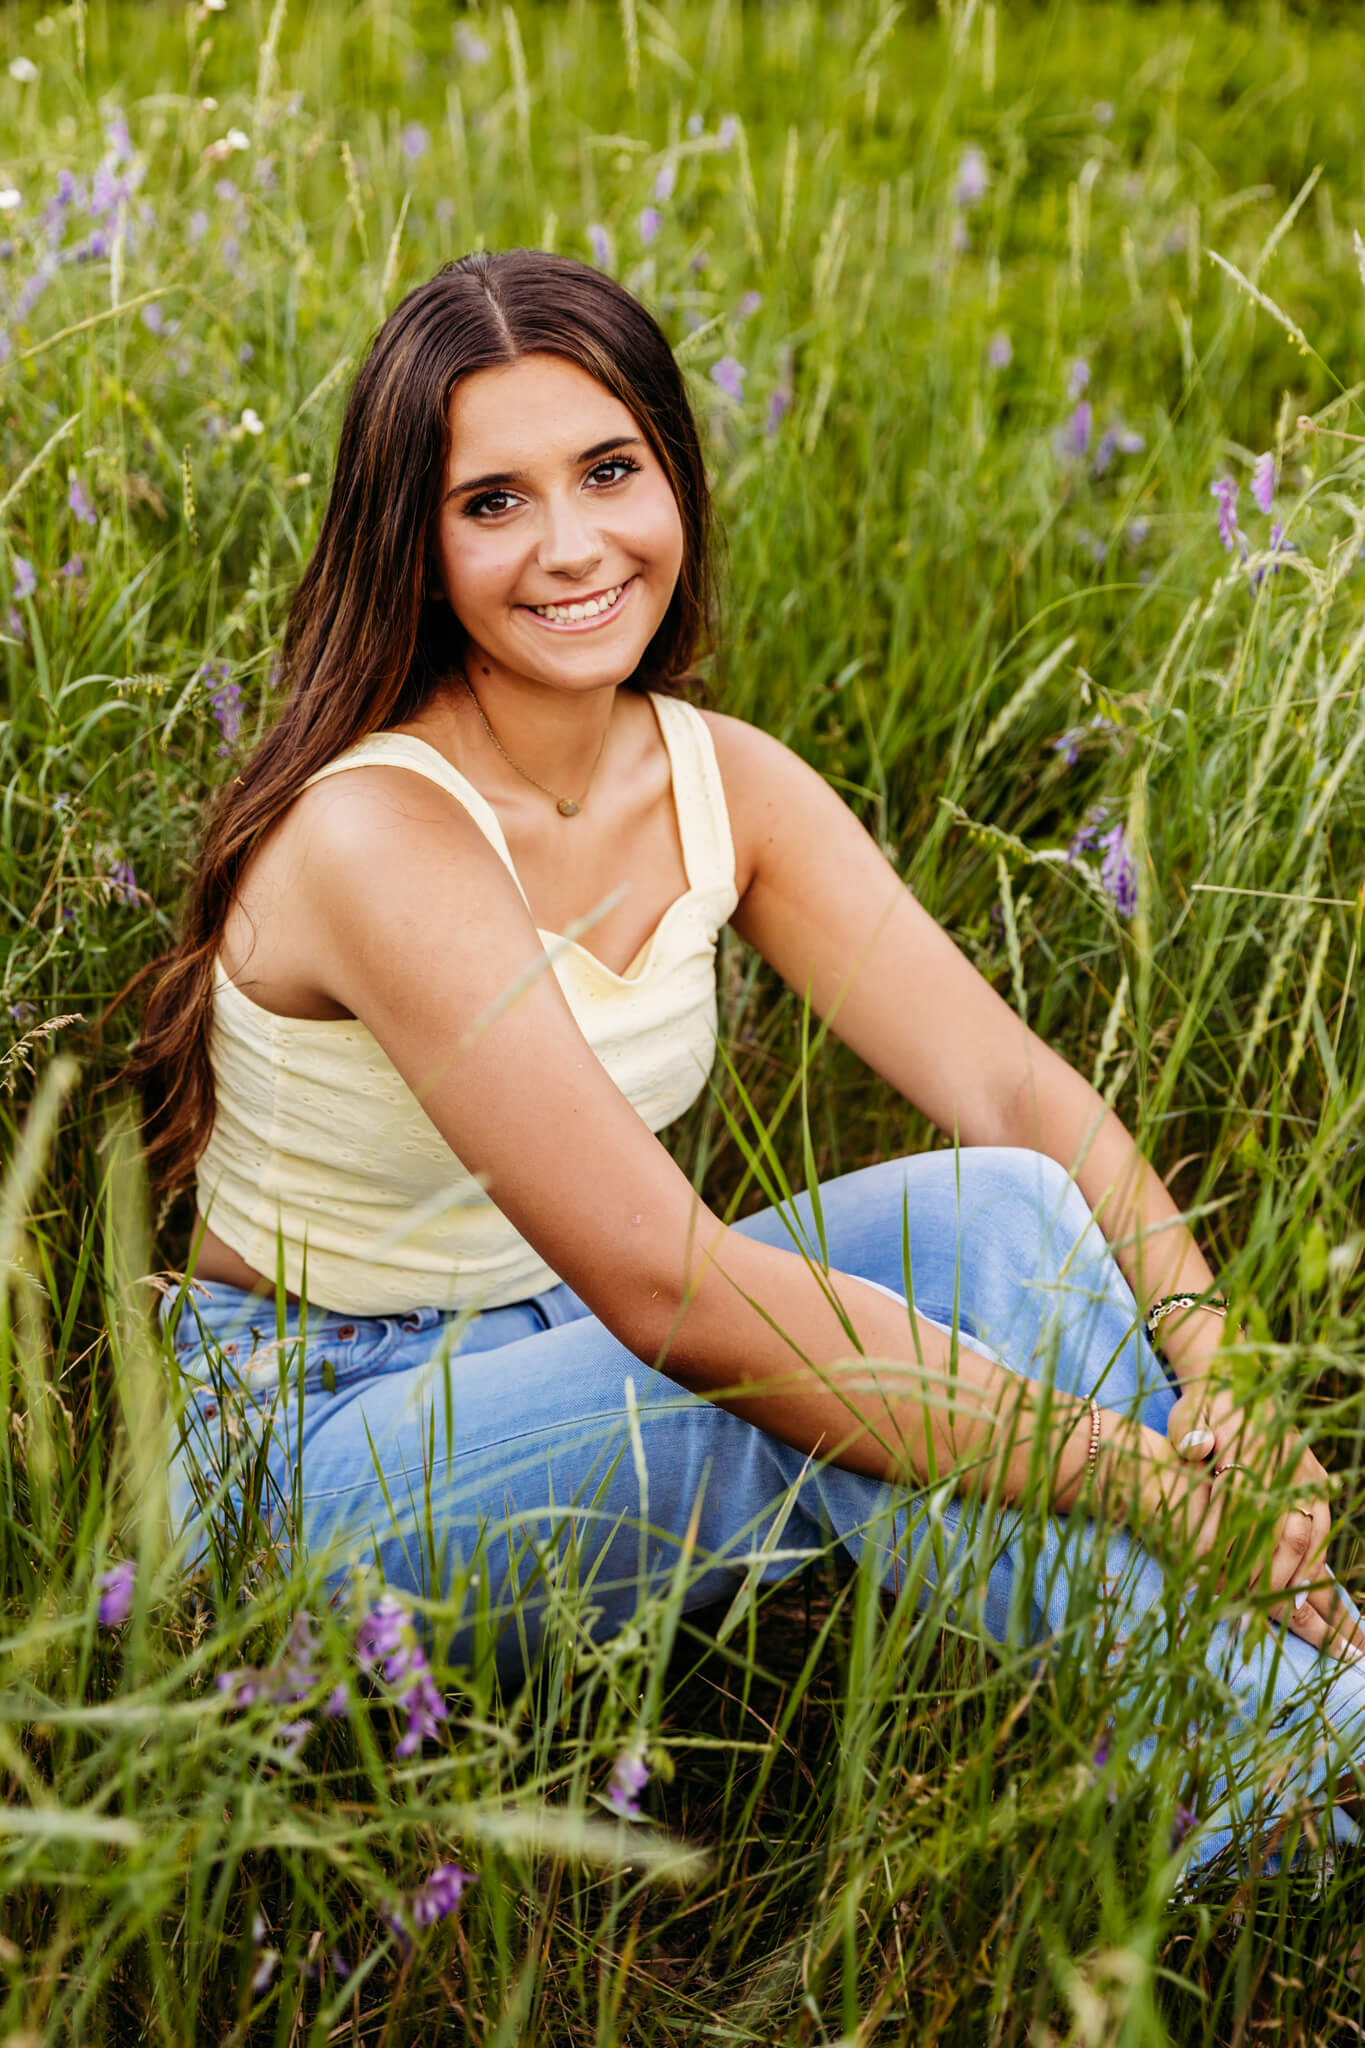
[1209, 1426]
[1174, 1501]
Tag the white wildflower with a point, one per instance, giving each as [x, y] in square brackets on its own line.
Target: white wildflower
[237, 140]
[252, 423]
[1360, 253]
[9, 199]
[24, 69]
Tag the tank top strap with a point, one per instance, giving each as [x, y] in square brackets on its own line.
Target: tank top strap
[404, 750]
[698, 794]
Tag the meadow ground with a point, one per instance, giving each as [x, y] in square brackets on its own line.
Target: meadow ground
[1025, 344]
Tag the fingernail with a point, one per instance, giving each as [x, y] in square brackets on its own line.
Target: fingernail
[1196, 1439]
[1301, 1601]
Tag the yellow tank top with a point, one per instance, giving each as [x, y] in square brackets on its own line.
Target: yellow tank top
[320, 1145]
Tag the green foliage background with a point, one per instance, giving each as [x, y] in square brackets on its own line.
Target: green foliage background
[923, 595]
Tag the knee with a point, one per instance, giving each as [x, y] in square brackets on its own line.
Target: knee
[1031, 1195]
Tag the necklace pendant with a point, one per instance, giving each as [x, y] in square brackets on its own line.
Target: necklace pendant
[567, 808]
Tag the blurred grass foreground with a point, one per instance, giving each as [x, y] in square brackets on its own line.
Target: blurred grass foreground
[1026, 343]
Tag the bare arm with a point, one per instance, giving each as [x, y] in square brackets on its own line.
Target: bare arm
[826, 908]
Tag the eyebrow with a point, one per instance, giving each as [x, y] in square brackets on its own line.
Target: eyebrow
[518, 476]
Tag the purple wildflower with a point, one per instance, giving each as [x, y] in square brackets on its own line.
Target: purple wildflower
[423, 1706]
[14, 623]
[72, 568]
[1069, 745]
[292, 1671]
[197, 226]
[1263, 481]
[381, 1631]
[958, 239]
[972, 177]
[1117, 872]
[599, 241]
[729, 374]
[1277, 545]
[1085, 837]
[628, 1779]
[1184, 1820]
[79, 501]
[1077, 378]
[32, 289]
[116, 1593]
[120, 885]
[1130, 441]
[245, 352]
[396, 1921]
[779, 404]
[649, 223]
[23, 1014]
[1000, 350]
[25, 581]
[664, 183]
[241, 1688]
[727, 131]
[225, 700]
[117, 136]
[1104, 453]
[1229, 532]
[154, 317]
[440, 1895]
[1074, 437]
[107, 191]
[1102, 1751]
[748, 305]
[68, 188]
[470, 48]
[338, 1704]
[387, 1636]
[414, 141]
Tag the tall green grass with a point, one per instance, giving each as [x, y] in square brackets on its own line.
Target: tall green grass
[860, 1826]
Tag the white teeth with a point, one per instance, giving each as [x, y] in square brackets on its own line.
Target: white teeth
[591, 608]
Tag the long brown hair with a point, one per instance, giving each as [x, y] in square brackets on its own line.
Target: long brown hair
[365, 644]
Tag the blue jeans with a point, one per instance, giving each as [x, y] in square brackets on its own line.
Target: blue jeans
[529, 1434]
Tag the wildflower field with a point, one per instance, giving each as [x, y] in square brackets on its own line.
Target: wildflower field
[1026, 343]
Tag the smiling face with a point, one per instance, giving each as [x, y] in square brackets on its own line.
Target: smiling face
[559, 541]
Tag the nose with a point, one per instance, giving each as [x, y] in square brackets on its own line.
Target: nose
[569, 542]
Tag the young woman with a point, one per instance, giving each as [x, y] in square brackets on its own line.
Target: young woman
[448, 967]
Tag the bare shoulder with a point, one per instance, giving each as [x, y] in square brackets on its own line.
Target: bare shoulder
[379, 823]
[765, 781]
[375, 847]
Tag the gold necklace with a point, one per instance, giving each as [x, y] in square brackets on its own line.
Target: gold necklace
[565, 805]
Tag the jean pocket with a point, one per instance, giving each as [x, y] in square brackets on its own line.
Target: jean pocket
[343, 1350]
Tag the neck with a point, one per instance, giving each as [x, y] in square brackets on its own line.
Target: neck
[546, 737]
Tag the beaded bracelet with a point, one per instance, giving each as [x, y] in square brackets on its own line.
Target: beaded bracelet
[1093, 1454]
[1171, 1302]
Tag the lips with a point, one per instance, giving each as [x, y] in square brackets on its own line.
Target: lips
[580, 614]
